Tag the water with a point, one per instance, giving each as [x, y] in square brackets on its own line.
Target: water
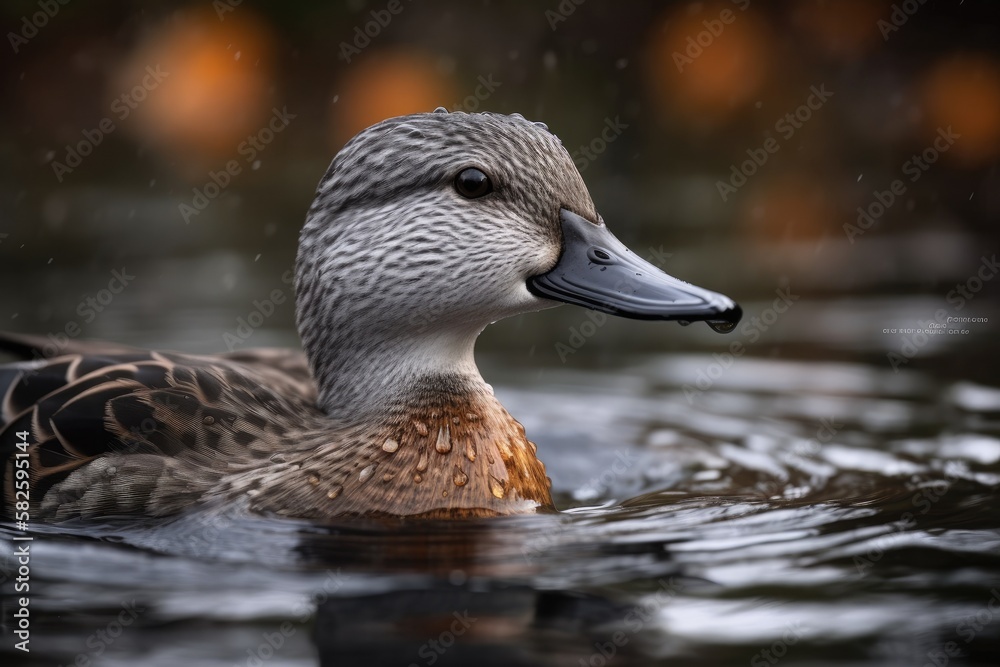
[801, 512]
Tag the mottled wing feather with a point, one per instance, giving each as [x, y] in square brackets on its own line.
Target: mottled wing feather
[140, 431]
[287, 369]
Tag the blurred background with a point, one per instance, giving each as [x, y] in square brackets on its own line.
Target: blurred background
[117, 117]
[832, 166]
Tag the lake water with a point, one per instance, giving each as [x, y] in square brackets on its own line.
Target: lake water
[806, 512]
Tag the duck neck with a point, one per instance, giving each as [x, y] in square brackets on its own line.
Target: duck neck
[367, 375]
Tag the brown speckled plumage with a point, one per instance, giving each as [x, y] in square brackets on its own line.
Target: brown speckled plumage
[158, 432]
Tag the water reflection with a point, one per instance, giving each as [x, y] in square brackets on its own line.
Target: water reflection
[801, 509]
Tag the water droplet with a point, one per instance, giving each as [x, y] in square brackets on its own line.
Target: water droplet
[111, 471]
[456, 420]
[421, 428]
[471, 416]
[470, 451]
[505, 450]
[459, 477]
[334, 492]
[444, 494]
[208, 420]
[388, 477]
[417, 478]
[722, 326]
[496, 487]
[367, 473]
[390, 445]
[443, 444]
[727, 320]
[422, 462]
[313, 479]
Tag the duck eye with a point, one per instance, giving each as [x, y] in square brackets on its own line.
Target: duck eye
[472, 183]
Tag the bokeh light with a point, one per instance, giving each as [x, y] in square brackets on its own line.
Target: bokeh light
[707, 59]
[964, 91]
[388, 84]
[220, 74]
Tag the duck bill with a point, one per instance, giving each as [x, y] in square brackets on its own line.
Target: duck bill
[597, 271]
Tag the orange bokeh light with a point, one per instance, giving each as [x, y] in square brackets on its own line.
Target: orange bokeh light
[386, 85]
[964, 91]
[708, 61]
[217, 89]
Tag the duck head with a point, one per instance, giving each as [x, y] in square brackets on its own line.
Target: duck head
[427, 228]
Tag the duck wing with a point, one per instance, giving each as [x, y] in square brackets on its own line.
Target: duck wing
[114, 430]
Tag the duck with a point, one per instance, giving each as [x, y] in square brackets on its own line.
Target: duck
[425, 229]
